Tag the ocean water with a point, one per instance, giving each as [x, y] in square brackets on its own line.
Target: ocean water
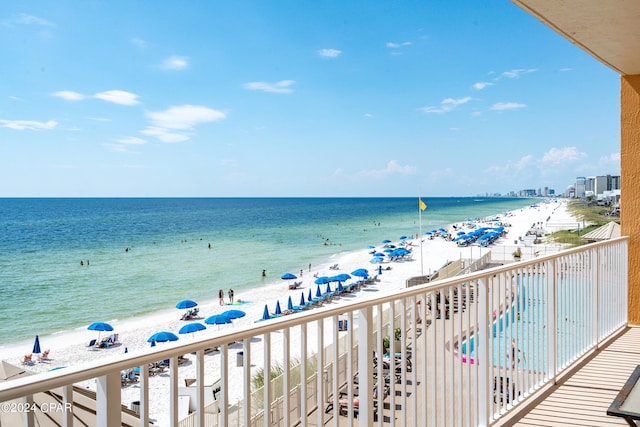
[143, 255]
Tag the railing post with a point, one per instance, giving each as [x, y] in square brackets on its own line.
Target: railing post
[267, 379]
[29, 419]
[246, 380]
[365, 370]
[144, 397]
[320, 397]
[200, 392]
[108, 391]
[224, 385]
[173, 391]
[482, 342]
[595, 297]
[553, 269]
[286, 387]
[67, 402]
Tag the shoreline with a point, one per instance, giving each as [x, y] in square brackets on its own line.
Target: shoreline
[69, 348]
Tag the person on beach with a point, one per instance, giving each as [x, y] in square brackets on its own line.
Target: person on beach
[264, 273]
[221, 296]
[230, 293]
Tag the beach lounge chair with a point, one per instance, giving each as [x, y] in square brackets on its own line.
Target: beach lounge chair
[28, 360]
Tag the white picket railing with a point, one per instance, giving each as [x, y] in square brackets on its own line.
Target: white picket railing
[469, 349]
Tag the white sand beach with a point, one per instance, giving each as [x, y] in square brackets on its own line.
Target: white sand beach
[70, 348]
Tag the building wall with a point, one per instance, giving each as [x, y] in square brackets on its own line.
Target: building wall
[630, 170]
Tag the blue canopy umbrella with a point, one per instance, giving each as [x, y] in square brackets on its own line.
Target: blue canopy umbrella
[36, 346]
[340, 287]
[278, 311]
[289, 304]
[371, 247]
[185, 304]
[217, 319]
[234, 314]
[318, 292]
[265, 314]
[375, 260]
[288, 276]
[190, 328]
[100, 327]
[376, 254]
[329, 288]
[361, 272]
[341, 277]
[162, 337]
[386, 241]
[322, 280]
[403, 237]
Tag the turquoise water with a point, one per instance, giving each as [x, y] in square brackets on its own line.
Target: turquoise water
[142, 255]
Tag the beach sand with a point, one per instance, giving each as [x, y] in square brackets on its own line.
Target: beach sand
[70, 348]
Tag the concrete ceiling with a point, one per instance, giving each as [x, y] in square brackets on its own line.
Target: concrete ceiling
[609, 30]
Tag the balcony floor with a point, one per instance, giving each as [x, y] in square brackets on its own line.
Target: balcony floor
[583, 399]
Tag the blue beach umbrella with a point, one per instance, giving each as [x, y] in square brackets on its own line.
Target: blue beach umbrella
[234, 314]
[278, 311]
[376, 260]
[302, 302]
[371, 247]
[265, 314]
[217, 319]
[322, 280]
[289, 304]
[403, 237]
[318, 292]
[310, 297]
[361, 272]
[329, 288]
[288, 276]
[340, 287]
[153, 343]
[386, 241]
[100, 327]
[162, 337]
[36, 346]
[185, 304]
[190, 328]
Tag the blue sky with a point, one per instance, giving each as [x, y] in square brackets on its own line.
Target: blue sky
[295, 98]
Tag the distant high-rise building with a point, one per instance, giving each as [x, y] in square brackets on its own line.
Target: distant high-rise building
[580, 187]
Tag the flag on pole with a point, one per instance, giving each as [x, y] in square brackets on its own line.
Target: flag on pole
[422, 204]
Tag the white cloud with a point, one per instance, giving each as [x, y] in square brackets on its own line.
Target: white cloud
[499, 106]
[28, 124]
[392, 45]
[393, 168]
[26, 19]
[279, 87]
[118, 97]
[564, 70]
[142, 44]
[511, 166]
[611, 158]
[481, 85]
[68, 95]
[560, 156]
[185, 116]
[446, 105]
[165, 135]
[174, 63]
[329, 53]
[368, 115]
[514, 74]
[131, 140]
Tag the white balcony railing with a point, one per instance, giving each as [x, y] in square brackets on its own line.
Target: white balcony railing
[469, 349]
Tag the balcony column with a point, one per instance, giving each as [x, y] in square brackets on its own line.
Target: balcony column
[108, 398]
[630, 185]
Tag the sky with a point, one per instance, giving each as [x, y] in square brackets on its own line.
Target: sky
[293, 98]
